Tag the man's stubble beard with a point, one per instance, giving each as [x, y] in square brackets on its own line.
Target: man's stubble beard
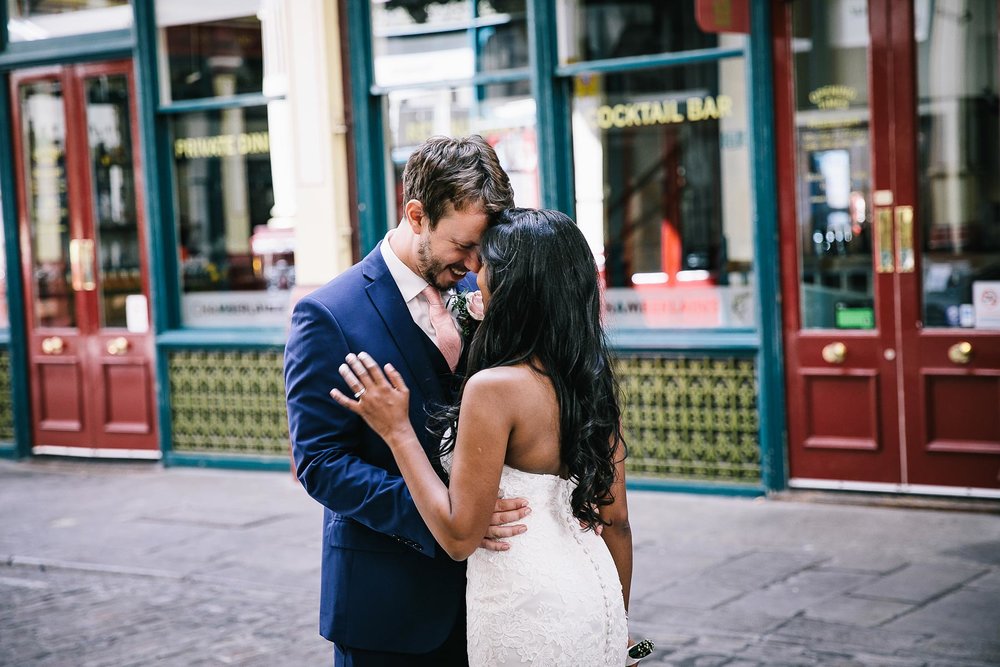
[429, 266]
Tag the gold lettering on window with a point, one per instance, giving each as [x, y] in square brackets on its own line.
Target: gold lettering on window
[223, 145]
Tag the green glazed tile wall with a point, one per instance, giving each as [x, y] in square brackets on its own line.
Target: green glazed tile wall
[6, 407]
[691, 417]
[228, 402]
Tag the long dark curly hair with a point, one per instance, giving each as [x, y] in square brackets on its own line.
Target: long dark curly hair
[545, 311]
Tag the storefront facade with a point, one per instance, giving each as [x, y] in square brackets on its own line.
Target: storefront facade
[179, 174]
[154, 190]
[648, 123]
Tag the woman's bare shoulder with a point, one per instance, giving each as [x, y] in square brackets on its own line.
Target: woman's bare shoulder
[499, 379]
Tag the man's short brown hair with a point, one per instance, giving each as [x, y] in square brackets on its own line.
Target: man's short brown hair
[463, 172]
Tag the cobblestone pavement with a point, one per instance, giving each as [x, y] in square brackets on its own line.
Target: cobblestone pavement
[107, 564]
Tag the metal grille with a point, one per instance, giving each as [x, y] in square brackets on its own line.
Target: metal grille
[229, 402]
[691, 417]
[6, 406]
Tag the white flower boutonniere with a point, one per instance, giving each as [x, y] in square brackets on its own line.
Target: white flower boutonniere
[469, 308]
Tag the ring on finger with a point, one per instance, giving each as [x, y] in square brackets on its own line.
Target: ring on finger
[358, 394]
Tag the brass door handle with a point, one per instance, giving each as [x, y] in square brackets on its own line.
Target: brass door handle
[905, 261]
[81, 264]
[960, 353]
[835, 353]
[53, 345]
[118, 346]
[883, 240]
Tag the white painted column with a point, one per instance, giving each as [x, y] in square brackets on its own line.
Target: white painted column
[311, 121]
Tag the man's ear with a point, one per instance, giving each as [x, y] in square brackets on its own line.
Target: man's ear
[413, 213]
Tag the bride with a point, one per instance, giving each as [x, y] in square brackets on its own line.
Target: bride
[538, 417]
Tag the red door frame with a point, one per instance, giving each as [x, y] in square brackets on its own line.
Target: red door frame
[86, 345]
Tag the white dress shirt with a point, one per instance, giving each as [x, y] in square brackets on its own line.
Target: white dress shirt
[410, 287]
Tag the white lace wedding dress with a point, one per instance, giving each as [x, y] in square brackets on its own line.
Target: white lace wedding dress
[554, 598]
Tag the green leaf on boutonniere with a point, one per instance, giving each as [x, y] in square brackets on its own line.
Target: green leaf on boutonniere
[460, 304]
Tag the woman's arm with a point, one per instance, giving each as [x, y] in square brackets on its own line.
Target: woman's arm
[457, 515]
[618, 535]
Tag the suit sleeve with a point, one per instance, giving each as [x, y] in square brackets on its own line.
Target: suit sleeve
[326, 437]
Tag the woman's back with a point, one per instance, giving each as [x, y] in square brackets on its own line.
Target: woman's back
[555, 597]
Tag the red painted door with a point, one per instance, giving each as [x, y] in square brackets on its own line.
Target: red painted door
[85, 271]
[888, 232]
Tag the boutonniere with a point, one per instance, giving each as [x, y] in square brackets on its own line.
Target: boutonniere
[469, 308]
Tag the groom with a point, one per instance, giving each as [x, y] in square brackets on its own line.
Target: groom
[390, 595]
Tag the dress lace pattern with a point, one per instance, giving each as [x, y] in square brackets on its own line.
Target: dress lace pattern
[554, 598]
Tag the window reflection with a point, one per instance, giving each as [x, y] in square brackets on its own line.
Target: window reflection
[4, 314]
[598, 29]
[32, 20]
[833, 145]
[959, 162]
[506, 122]
[663, 193]
[236, 269]
[424, 40]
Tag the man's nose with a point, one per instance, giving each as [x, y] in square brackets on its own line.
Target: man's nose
[473, 262]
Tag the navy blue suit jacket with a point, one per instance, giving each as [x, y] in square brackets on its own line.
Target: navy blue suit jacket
[386, 585]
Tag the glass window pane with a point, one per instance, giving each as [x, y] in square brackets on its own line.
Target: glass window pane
[959, 165]
[43, 131]
[4, 314]
[663, 193]
[833, 154]
[209, 49]
[32, 20]
[506, 121]
[597, 29]
[237, 266]
[116, 226]
[420, 41]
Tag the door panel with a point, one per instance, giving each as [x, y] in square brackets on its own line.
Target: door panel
[60, 405]
[92, 383]
[826, 427]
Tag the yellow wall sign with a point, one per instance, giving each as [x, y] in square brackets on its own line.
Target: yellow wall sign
[222, 145]
[833, 97]
[664, 113]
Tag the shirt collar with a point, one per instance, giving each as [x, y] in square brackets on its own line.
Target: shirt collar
[409, 283]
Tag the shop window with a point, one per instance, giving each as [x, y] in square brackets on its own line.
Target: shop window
[235, 269]
[218, 58]
[417, 41]
[4, 313]
[424, 41]
[236, 254]
[506, 122]
[599, 29]
[663, 193]
[833, 146]
[959, 165]
[31, 20]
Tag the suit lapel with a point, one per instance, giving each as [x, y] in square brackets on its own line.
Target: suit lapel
[385, 297]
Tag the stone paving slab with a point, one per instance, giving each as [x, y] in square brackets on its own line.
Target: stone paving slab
[919, 582]
[751, 571]
[849, 610]
[966, 612]
[798, 592]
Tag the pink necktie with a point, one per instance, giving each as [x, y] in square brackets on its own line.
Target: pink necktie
[448, 340]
